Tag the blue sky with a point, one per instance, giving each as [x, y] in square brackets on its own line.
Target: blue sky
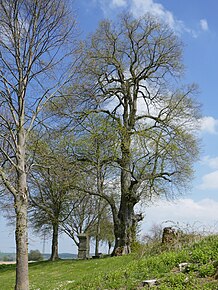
[196, 23]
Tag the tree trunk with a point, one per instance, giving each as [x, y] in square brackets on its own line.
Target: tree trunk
[21, 205]
[109, 247]
[124, 224]
[97, 231]
[96, 245]
[123, 230]
[22, 282]
[97, 241]
[54, 248]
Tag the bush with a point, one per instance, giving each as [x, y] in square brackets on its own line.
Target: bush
[35, 255]
[8, 259]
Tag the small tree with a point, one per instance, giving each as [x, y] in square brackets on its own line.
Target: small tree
[94, 149]
[52, 177]
[7, 258]
[83, 218]
[35, 255]
[104, 231]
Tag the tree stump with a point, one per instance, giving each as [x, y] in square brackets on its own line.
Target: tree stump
[169, 236]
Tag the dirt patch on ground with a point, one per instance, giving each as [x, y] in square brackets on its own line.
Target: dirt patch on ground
[7, 263]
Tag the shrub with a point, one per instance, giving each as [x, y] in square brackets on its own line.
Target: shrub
[8, 258]
[35, 255]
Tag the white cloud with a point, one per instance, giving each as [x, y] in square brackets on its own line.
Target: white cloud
[119, 3]
[210, 181]
[200, 214]
[209, 125]
[140, 7]
[108, 6]
[204, 25]
[211, 162]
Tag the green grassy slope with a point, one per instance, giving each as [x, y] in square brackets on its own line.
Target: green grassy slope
[127, 272]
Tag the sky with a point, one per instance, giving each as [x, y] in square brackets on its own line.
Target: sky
[196, 23]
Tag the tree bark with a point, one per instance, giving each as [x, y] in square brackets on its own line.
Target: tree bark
[22, 282]
[97, 239]
[125, 220]
[109, 247]
[54, 248]
[21, 205]
[123, 229]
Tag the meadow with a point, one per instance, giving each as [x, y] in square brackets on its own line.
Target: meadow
[151, 261]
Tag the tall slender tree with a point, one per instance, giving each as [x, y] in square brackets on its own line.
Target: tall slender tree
[36, 38]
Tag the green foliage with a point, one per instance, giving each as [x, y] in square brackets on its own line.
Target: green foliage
[176, 281]
[35, 255]
[205, 251]
[137, 247]
[7, 258]
[207, 270]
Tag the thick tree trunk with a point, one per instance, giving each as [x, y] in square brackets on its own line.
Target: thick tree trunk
[124, 219]
[54, 248]
[123, 230]
[124, 224]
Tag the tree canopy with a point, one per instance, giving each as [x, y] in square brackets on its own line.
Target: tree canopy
[130, 74]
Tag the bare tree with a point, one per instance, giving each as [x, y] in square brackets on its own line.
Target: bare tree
[36, 38]
[131, 74]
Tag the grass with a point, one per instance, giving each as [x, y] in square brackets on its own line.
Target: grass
[127, 272]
